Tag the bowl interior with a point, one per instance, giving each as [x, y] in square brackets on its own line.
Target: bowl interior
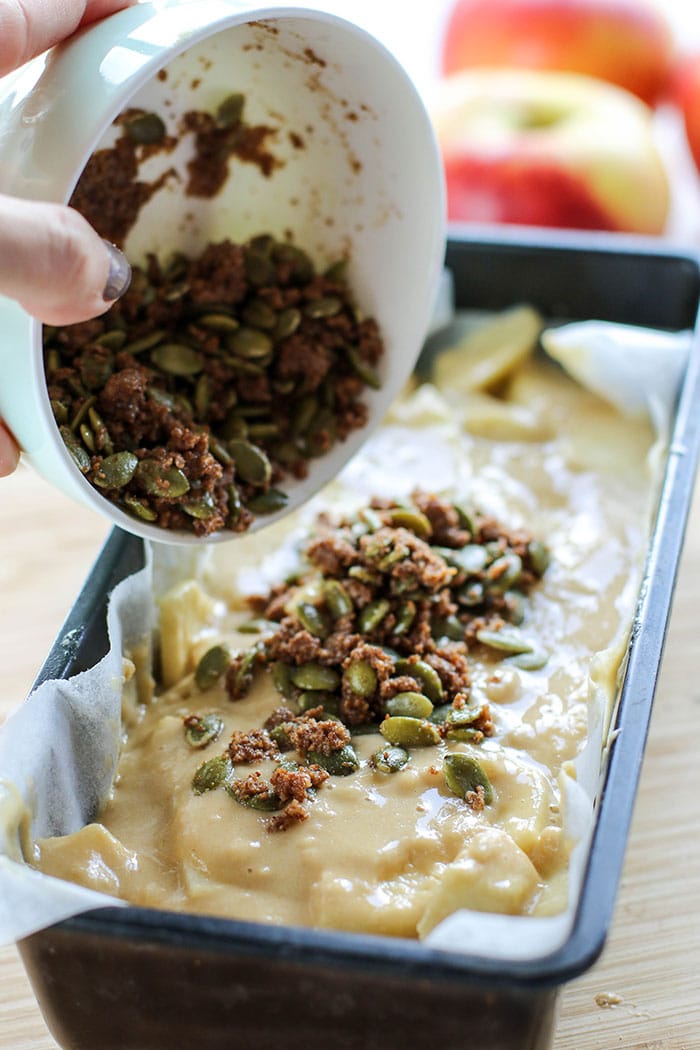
[354, 172]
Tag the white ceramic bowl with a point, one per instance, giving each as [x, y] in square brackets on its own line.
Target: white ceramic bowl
[368, 180]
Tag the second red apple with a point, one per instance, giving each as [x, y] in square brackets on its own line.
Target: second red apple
[549, 149]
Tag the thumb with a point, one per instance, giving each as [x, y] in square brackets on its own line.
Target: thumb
[55, 265]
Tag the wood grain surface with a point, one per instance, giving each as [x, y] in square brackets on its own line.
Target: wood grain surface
[641, 995]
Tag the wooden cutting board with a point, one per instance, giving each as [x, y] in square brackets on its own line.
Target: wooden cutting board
[642, 994]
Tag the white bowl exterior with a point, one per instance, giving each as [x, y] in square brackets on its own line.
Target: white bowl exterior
[367, 181]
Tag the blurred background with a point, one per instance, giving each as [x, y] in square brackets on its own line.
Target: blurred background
[421, 39]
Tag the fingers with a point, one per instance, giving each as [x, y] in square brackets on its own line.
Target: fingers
[55, 265]
[9, 453]
[28, 27]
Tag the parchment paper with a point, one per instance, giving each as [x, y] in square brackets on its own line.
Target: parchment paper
[59, 750]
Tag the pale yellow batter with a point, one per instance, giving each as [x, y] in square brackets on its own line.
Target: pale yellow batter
[395, 854]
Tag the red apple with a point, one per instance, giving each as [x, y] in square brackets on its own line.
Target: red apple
[686, 94]
[628, 42]
[549, 149]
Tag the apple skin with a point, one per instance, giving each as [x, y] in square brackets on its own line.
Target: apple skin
[549, 149]
[686, 95]
[626, 42]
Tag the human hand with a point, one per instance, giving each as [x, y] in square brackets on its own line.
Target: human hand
[51, 260]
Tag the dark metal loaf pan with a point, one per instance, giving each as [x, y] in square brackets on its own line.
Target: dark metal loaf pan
[136, 979]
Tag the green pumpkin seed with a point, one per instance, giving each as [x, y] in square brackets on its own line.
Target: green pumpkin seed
[282, 679]
[103, 441]
[449, 627]
[116, 471]
[471, 594]
[139, 509]
[440, 714]
[146, 129]
[146, 342]
[311, 698]
[242, 680]
[202, 397]
[266, 627]
[371, 518]
[390, 759]
[364, 575]
[87, 436]
[219, 451]
[312, 675]
[202, 509]
[299, 263]
[80, 457]
[217, 772]
[362, 368]
[267, 803]
[112, 340]
[339, 763]
[287, 323]
[230, 111]
[534, 660]
[82, 412]
[268, 502]
[95, 371]
[313, 619]
[470, 559]
[506, 640]
[252, 464]
[465, 518]
[405, 731]
[202, 731]
[338, 271]
[462, 716]
[304, 411]
[426, 675]
[234, 427]
[212, 666]
[263, 431]
[539, 557]
[218, 322]
[463, 775]
[259, 268]
[157, 480]
[361, 678]
[60, 411]
[515, 607]
[326, 306]
[337, 599]
[234, 505]
[410, 705]
[52, 359]
[405, 615]
[505, 572]
[259, 314]
[413, 520]
[177, 359]
[372, 615]
[320, 434]
[250, 343]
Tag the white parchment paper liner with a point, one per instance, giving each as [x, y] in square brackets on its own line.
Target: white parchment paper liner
[58, 751]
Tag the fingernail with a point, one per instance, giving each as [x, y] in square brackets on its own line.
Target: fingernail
[119, 273]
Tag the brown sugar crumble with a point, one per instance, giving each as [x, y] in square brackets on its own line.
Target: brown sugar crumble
[214, 378]
[375, 636]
